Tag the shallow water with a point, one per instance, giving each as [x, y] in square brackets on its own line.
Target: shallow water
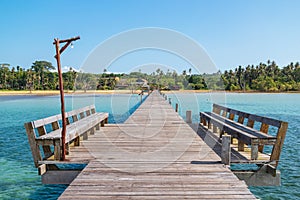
[18, 176]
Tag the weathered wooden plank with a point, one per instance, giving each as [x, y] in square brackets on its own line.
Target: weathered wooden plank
[279, 143]
[153, 134]
[153, 197]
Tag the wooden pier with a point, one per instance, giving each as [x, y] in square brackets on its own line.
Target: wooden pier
[153, 155]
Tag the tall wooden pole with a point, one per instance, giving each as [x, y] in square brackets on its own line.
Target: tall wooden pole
[62, 101]
[61, 89]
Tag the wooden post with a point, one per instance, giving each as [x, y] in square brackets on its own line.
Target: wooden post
[61, 89]
[62, 100]
[176, 107]
[226, 150]
[188, 116]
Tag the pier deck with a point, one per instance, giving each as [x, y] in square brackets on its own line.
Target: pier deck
[153, 155]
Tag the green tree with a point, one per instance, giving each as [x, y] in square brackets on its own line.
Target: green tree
[40, 68]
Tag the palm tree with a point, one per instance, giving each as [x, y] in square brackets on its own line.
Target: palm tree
[4, 74]
[40, 67]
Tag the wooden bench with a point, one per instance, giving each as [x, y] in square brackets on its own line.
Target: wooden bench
[44, 135]
[241, 125]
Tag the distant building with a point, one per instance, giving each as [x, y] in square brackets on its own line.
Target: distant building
[174, 87]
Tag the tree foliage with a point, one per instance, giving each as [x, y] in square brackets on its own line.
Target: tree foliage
[265, 77]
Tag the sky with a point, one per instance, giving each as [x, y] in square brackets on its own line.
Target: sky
[231, 32]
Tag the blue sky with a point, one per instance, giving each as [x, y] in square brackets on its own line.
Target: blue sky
[233, 33]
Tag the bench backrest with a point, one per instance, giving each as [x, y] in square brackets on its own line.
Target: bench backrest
[54, 122]
[242, 116]
[265, 122]
[46, 125]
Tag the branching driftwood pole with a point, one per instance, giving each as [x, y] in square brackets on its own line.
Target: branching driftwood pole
[61, 89]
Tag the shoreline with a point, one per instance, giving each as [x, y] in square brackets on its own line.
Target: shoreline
[81, 92]
[229, 92]
[56, 92]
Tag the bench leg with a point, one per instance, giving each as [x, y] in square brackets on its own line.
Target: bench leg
[57, 149]
[215, 129]
[240, 145]
[77, 141]
[209, 125]
[106, 121]
[202, 121]
[67, 149]
[92, 131]
[254, 152]
[261, 148]
[222, 132]
[85, 136]
[102, 123]
[98, 127]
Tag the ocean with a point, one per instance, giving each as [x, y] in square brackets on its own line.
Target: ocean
[18, 176]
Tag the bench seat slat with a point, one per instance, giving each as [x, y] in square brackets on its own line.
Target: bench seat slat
[76, 129]
[246, 137]
[252, 131]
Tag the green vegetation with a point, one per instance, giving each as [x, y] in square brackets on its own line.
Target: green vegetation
[265, 77]
[38, 77]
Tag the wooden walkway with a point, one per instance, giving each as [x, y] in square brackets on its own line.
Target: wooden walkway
[153, 155]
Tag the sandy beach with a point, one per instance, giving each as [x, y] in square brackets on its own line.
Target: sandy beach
[56, 92]
[80, 92]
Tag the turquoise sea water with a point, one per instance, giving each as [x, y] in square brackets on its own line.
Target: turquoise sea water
[285, 107]
[18, 176]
